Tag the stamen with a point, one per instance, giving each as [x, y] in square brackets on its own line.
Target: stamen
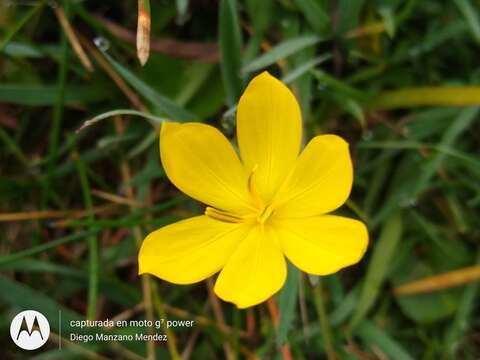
[251, 187]
[265, 214]
[226, 216]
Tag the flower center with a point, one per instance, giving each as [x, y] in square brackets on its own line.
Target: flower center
[227, 216]
[265, 214]
[261, 216]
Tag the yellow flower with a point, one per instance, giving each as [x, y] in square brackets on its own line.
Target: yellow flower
[269, 203]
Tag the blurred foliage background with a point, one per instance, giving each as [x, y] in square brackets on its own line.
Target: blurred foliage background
[397, 79]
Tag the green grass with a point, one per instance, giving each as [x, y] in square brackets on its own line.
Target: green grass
[399, 80]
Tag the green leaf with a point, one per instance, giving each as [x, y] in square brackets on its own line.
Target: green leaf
[339, 87]
[470, 13]
[352, 107]
[316, 16]
[464, 315]
[348, 14]
[281, 51]
[287, 301]
[425, 308]
[230, 44]
[167, 107]
[305, 67]
[26, 50]
[46, 246]
[23, 297]
[373, 335]
[388, 20]
[24, 20]
[378, 267]
[261, 13]
[45, 95]
[460, 124]
[182, 7]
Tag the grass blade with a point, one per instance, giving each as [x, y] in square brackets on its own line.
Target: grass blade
[230, 44]
[371, 334]
[287, 301]
[40, 248]
[378, 267]
[14, 30]
[316, 16]
[167, 106]
[93, 256]
[281, 51]
[470, 13]
[458, 126]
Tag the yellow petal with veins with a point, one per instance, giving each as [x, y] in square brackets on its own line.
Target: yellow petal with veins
[201, 162]
[269, 131]
[321, 180]
[255, 272]
[190, 250]
[322, 245]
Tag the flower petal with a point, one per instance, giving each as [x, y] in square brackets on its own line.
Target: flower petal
[322, 245]
[255, 272]
[269, 131]
[201, 162]
[190, 250]
[321, 181]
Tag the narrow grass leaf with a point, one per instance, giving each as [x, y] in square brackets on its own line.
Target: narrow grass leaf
[287, 301]
[388, 20]
[470, 13]
[45, 95]
[15, 29]
[281, 51]
[262, 14]
[304, 68]
[41, 248]
[33, 265]
[167, 107]
[373, 335]
[24, 297]
[384, 250]
[353, 108]
[230, 44]
[463, 317]
[348, 14]
[423, 308]
[26, 50]
[182, 7]
[460, 124]
[339, 87]
[93, 250]
[316, 16]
